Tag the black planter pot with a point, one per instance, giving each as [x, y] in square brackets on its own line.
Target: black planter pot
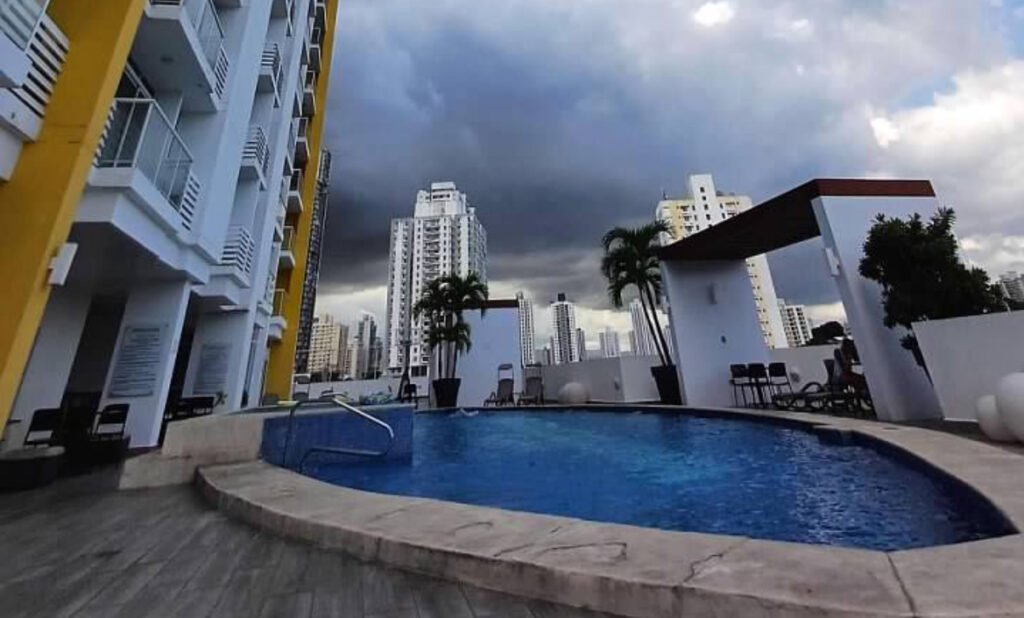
[446, 392]
[668, 384]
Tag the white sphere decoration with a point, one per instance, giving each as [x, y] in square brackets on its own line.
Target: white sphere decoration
[1010, 402]
[573, 393]
[990, 422]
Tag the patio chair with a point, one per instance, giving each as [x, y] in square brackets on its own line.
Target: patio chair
[108, 443]
[758, 375]
[739, 379]
[778, 379]
[504, 395]
[111, 422]
[533, 393]
[44, 421]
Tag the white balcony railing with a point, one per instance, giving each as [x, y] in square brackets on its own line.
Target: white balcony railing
[239, 249]
[47, 52]
[206, 21]
[280, 300]
[257, 150]
[139, 136]
[270, 68]
[20, 18]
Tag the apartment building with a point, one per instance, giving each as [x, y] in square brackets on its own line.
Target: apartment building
[442, 237]
[318, 224]
[527, 332]
[154, 224]
[706, 207]
[796, 324]
[565, 343]
[328, 344]
[608, 342]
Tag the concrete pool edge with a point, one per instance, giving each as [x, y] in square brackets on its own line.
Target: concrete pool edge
[644, 572]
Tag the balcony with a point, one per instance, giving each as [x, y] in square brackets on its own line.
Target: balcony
[239, 251]
[18, 20]
[22, 108]
[294, 202]
[256, 156]
[301, 129]
[316, 38]
[141, 152]
[309, 95]
[278, 323]
[271, 72]
[320, 12]
[180, 47]
[286, 259]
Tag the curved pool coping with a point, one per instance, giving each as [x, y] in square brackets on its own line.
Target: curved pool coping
[644, 572]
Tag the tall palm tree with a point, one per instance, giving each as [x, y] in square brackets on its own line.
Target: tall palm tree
[631, 259]
[443, 304]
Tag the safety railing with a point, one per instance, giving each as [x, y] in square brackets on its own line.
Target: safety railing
[257, 149]
[335, 450]
[20, 18]
[47, 50]
[280, 299]
[288, 243]
[239, 249]
[139, 136]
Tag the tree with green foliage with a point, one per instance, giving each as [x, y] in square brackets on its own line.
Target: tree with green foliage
[631, 260]
[918, 265]
[443, 304]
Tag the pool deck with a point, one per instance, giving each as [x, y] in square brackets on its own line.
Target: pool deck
[642, 572]
[79, 549]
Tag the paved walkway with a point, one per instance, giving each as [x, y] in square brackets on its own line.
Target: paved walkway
[77, 550]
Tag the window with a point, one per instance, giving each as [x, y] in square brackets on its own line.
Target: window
[708, 216]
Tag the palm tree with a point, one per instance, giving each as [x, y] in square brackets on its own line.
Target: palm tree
[443, 304]
[631, 259]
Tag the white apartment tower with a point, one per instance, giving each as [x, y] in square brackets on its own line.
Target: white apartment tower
[527, 333]
[172, 241]
[365, 362]
[608, 340]
[565, 346]
[1013, 286]
[707, 207]
[642, 339]
[796, 324]
[327, 345]
[442, 237]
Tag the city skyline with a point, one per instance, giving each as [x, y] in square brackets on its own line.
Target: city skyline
[451, 110]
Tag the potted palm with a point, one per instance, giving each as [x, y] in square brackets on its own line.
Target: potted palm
[631, 260]
[443, 305]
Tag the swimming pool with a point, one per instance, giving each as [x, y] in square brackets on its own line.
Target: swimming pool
[679, 472]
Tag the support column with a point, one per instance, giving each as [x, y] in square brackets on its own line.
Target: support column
[219, 356]
[143, 362]
[39, 201]
[46, 375]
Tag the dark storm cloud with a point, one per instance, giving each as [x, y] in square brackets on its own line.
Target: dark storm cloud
[554, 147]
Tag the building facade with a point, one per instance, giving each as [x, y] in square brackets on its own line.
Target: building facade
[642, 338]
[312, 275]
[146, 268]
[527, 333]
[608, 340]
[365, 362]
[1012, 284]
[328, 343]
[442, 237]
[707, 207]
[565, 343]
[796, 324]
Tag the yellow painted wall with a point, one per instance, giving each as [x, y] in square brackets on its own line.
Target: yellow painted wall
[282, 353]
[37, 206]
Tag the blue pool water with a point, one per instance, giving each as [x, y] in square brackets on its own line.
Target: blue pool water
[679, 473]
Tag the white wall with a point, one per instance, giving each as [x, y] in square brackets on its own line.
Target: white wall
[618, 380]
[900, 389]
[714, 324]
[968, 356]
[808, 362]
[360, 388]
[495, 342]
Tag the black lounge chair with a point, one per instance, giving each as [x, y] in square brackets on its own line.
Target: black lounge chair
[505, 393]
[739, 379]
[44, 428]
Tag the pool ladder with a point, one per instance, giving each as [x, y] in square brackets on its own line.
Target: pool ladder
[335, 450]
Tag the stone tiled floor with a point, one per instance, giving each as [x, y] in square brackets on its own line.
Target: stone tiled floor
[78, 550]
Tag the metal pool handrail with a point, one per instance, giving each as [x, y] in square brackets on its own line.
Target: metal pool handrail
[330, 449]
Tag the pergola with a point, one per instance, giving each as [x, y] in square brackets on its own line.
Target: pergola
[712, 311]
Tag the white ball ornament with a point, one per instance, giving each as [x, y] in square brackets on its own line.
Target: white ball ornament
[991, 424]
[573, 393]
[1010, 402]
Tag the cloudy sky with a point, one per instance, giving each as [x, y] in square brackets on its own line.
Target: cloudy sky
[564, 118]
